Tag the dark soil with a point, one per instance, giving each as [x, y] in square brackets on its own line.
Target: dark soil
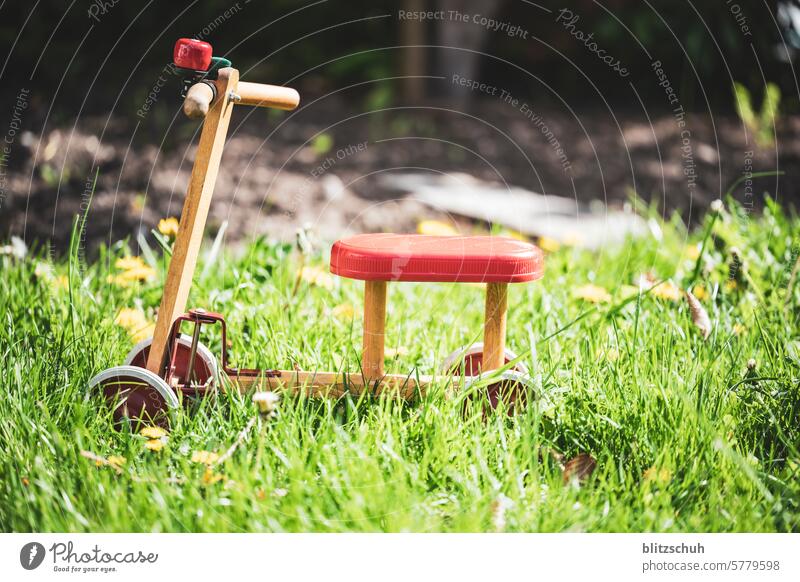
[294, 178]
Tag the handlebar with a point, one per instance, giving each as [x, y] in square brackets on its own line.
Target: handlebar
[200, 96]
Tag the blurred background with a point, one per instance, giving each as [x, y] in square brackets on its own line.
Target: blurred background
[561, 121]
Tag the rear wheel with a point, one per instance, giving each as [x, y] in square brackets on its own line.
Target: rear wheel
[136, 394]
[205, 364]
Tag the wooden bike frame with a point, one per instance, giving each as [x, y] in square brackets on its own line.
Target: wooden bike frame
[215, 103]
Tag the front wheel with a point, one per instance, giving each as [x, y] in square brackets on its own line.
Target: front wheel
[137, 394]
[205, 372]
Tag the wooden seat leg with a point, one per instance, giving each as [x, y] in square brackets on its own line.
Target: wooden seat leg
[374, 329]
[494, 330]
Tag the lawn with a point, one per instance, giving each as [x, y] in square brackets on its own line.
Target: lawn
[688, 434]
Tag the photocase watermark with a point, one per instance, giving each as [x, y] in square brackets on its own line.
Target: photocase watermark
[31, 555]
[747, 182]
[524, 108]
[100, 8]
[568, 19]
[67, 559]
[500, 26]
[219, 21]
[738, 15]
[168, 71]
[14, 126]
[689, 167]
[318, 171]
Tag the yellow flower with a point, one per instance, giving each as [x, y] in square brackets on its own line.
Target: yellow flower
[127, 263]
[267, 402]
[135, 323]
[611, 354]
[343, 311]
[739, 329]
[693, 251]
[130, 318]
[436, 227]
[700, 292]
[168, 226]
[205, 457]
[731, 285]
[153, 432]
[117, 460]
[61, 282]
[142, 334]
[592, 294]
[143, 273]
[154, 445]
[666, 290]
[134, 269]
[549, 245]
[210, 477]
[316, 276]
[661, 476]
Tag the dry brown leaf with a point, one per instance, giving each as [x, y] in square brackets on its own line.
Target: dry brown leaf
[579, 468]
[699, 315]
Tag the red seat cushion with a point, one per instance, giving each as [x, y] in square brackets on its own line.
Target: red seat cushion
[412, 257]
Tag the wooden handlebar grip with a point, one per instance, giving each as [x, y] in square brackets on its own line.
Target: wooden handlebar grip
[267, 96]
[198, 100]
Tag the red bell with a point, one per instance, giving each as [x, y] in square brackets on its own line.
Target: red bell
[190, 53]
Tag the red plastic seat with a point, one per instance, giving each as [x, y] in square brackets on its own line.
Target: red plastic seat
[424, 258]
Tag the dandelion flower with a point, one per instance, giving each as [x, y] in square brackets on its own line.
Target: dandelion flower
[204, 457]
[700, 292]
[592, 294]
[210, 477]
[135, 323]
[153, 432]
[133, 270]
[117, 460]
[316, 276]
[154, 445]
[693, 252]
[549, 245]
[660, 476]
[666, 290]
[436, 228]
[343, 311]
[129, 262]
[267, 402]
[168, 227]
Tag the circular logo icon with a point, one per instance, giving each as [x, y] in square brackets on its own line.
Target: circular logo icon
[31, 555]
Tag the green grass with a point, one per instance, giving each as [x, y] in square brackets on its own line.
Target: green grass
[685, 437]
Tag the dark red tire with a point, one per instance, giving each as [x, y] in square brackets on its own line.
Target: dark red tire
[136, 394]
[205, 364]
[472, 359]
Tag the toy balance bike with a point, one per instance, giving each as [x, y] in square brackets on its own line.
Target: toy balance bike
[162, 371]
